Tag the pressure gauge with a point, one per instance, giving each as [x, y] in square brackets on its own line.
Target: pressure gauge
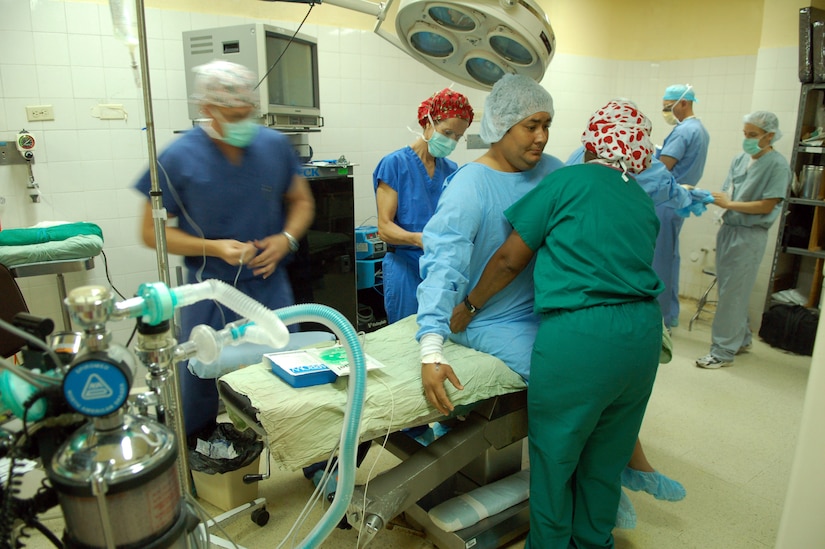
[25, 141]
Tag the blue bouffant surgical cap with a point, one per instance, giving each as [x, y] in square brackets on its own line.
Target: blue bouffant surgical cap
[679, 91]
[766, 121]
[224, 84]
[513, 98]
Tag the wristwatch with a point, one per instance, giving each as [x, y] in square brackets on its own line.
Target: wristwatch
[470, 307]
[292, 241]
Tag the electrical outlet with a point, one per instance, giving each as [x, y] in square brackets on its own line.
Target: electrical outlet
[38, 113]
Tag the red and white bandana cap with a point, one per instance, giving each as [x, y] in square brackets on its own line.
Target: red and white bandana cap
[619, 135]
[444, 105]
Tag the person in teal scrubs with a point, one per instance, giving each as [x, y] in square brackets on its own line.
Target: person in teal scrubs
[592, 230]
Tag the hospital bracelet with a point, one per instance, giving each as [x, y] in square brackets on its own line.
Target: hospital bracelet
[293, 242]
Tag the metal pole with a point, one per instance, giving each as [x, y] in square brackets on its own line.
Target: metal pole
[174, 393]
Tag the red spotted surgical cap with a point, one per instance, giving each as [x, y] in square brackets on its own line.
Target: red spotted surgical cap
[444, 105]
[619, 135]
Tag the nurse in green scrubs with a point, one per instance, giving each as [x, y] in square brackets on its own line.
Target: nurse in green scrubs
[592, 229]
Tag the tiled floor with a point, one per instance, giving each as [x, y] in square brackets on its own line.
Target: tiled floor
[728, 435]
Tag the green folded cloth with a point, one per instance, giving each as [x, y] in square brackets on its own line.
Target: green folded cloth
[39, 235]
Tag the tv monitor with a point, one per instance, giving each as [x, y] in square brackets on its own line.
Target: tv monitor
[288, 95]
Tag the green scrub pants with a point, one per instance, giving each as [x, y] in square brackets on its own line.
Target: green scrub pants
[592, 373]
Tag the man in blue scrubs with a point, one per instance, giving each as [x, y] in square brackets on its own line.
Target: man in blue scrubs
[242, 206]
[684, 153]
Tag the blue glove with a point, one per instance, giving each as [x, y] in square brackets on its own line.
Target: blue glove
[699, 198]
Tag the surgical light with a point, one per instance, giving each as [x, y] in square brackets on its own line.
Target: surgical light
[471, 42]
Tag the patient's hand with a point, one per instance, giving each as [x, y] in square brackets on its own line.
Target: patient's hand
[432, 377]
[460, 319]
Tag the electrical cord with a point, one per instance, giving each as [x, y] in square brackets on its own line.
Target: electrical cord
[196, 227]
[274, 64]
[108, 277]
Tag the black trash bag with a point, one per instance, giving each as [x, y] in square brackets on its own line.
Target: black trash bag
[245, 443]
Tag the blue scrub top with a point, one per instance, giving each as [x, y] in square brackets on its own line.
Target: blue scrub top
[688, 143]
[749, 180]
[466, 229]
[223, 200]
[418, 193]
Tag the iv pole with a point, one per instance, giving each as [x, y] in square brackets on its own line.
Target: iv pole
[159, 215]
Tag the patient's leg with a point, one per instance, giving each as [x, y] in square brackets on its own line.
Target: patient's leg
[640, 475]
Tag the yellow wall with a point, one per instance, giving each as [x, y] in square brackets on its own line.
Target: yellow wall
[609, 29]
[658, 30]
[780, 24]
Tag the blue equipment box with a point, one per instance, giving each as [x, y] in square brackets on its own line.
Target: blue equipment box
[368, 273]
[367, 243]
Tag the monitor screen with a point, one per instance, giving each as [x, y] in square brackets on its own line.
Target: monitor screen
[292, 81]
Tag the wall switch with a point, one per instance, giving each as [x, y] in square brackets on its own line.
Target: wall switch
[38, 113]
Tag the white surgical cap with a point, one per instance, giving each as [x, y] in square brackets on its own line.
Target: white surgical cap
[513, 98]
[224, 84]
[765, 120]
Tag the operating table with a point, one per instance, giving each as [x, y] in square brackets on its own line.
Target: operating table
[483, 444]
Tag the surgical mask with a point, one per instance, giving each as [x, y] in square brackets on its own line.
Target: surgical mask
[440, 146]
[240, 134]
[751, 146]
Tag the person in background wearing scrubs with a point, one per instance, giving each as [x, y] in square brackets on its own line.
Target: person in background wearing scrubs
[683, 153]
[757, 182]
[408, 184]
[242, 206]
[591, 231]
[469, 225]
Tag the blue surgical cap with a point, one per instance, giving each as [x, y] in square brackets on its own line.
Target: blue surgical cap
[513, 98]
[679, 91]
[766, 121]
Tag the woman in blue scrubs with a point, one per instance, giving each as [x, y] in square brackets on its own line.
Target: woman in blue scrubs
[408, 184]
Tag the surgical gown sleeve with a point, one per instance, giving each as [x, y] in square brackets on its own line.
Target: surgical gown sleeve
[448, 246]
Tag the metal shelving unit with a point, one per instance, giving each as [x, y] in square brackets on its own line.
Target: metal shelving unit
[800, 247]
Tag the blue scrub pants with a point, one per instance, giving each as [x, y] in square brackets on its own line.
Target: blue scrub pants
[401, 280]
[667, 261]
[739, 252]
[591, 377]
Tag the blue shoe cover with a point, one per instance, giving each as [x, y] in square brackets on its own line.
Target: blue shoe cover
[656, 484]
[626, 514]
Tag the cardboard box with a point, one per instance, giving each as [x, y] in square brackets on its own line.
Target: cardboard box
[227, 490]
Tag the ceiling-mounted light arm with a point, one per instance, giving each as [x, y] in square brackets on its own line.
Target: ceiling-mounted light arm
[379, 11]
[472, 42]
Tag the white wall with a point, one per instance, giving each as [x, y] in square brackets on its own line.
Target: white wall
[65, 56]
